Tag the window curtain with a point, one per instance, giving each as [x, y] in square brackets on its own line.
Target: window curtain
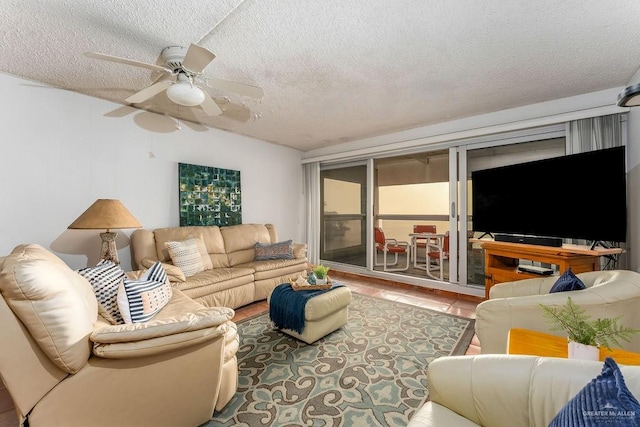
[312, 209]
[592, 134]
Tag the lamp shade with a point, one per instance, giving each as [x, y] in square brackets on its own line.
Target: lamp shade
[105, 214]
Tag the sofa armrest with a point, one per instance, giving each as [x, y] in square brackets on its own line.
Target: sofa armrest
[299, 250]
[208, 317]
[173, 272]
[157, 345]
[166, 332]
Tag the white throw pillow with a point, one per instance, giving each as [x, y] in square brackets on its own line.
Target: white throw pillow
[186, 256]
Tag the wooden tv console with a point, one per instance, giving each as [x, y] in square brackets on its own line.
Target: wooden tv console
[502, 259]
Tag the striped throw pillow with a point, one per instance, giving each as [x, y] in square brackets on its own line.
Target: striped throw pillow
[105, 279]
[140, 300]
[186, 256]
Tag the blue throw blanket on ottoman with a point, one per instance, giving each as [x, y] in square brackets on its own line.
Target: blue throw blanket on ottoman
[286, 306]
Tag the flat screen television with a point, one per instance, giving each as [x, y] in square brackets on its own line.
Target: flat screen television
[580, 196]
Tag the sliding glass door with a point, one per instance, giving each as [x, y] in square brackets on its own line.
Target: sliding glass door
[343, 197]
[413, 191]
[423, 188]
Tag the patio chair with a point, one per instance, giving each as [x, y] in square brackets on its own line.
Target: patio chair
[391, 246]
[437, 253]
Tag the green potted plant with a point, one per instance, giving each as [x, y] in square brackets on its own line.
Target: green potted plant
[320, 272]
[583, 331]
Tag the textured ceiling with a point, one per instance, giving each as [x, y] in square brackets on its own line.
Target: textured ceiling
[332, 70]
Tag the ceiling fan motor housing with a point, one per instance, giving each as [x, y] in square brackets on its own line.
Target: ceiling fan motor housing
[173, 57]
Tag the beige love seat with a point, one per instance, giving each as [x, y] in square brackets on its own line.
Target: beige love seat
[236, 277]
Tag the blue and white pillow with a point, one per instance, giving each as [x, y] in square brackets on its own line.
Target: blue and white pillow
[140, 300]
[105, 279]
[605, 400]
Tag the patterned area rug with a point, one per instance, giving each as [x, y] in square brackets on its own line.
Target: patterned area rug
[372, 372]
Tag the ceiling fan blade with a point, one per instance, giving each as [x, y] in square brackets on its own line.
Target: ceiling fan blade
[104, 57]
[209, 106]
[148, 92]
[197, 58]
[241, 88]
[121, 111]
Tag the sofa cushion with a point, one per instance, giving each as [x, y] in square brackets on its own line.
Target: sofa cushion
[105, 279]
[239, 241]
[139, 300]
[567, 282]
[210, 234]
[280, 250]
[605, 400]
[55, 303]
[186, 255]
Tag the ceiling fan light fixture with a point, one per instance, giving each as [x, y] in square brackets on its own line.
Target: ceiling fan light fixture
[630, 96]
[184, 93]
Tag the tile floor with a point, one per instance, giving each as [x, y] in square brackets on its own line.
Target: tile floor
[447, 302]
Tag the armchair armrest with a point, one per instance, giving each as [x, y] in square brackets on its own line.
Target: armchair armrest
[521, 288]
[166, 333]
[498, 390]
[395, 242]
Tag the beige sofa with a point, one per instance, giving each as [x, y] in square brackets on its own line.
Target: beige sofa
[609, 293]
[65, 365]
[235, 279]
[506, 391]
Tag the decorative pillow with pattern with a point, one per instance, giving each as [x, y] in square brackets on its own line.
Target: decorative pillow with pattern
[105, 279]
[140, 300]
[280, 250]
[186, 256]
[604, 401]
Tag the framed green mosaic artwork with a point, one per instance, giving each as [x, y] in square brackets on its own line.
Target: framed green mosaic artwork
[209, 196]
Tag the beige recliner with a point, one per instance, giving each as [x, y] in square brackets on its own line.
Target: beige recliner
[505, 391]
[516, 305]
[64, 365]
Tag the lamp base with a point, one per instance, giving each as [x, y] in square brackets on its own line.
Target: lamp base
[109, 251]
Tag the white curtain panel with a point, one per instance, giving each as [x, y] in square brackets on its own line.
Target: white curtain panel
[594, 133]
[312, 193]
[597, 133]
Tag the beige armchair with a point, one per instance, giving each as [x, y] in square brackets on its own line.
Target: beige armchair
[516, 305]
[64, 365]
[506, 391]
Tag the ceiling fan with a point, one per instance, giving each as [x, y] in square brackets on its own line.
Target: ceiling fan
[186, 65]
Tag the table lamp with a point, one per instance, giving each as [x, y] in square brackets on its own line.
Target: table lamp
[106, 214]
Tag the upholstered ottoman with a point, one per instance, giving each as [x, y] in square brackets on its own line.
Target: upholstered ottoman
[323, 314]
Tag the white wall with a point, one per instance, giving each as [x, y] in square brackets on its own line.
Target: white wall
[60, 153]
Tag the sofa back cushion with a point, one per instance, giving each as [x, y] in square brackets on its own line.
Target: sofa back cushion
[210, 234]
[55, 303]
[239, 241]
